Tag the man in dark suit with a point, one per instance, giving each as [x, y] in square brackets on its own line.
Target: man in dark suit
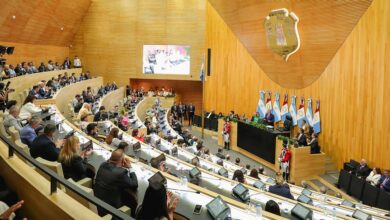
[191, 112]
[384, 182]
[101, 115]
[363, 170]
[301, 139]
[180, 112]
[314, 146]
[116, 183]
[269, 118]
[281, 189]
[43, 145]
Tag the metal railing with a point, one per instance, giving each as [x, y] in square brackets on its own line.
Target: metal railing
[55, 179]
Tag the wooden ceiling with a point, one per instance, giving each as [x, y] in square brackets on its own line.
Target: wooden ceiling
[40, 21]
[323, 27]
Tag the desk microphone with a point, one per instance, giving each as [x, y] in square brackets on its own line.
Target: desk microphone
[183, 190]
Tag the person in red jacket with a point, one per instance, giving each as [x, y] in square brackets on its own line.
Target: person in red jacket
[226, 133]
[284, 159]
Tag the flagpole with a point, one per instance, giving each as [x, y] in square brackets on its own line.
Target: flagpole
[203, 94]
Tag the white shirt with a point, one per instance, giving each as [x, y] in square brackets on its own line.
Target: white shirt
[28, 109]
[373, 178]
[77, 62]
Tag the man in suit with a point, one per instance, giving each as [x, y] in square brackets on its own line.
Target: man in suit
[191, 112]
[11, 119]
[281, 189]
[314, 146]
[211, 115]
[101, 115]
[28, 133]
[180, 112]
[384, 182]
[301, 138]
[116, 183]
[67, 64]
[269, 118]
[44, 147]
[363, 170]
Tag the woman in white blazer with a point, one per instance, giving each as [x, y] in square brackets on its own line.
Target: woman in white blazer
[374, 176]
[29, 108]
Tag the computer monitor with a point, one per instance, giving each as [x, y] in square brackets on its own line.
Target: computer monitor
[259, 184]
[174, 151]
[223, 172]
[194, 172]
[300, 212]
[218, 209]
[361, 215]
[241, 192]
[305, 199]
[348, 203]
[271, 181]
[306, 192]
[158, 178]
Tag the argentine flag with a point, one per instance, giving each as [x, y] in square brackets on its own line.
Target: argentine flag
[316, 118]
[201, 75]
[268, 103]
[284, 111]
[293, 110]
[276, 108]
[261, 105]
[309, 112]
[301, 112]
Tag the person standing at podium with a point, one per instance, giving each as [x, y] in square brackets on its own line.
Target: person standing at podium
[284, 159]
[226, 133]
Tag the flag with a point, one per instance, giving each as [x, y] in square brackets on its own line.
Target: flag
[284, 111]
[202, 71]
[261, 106]
[309, 113]
[268, 104]
[316, 118]
[276, 108]
[301, 112]
[293, 110]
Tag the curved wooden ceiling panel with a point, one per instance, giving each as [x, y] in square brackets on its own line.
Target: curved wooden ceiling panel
[40, 21]
[323, 27]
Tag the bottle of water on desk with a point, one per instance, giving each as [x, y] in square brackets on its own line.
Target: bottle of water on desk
[334, 213]
[259, 211]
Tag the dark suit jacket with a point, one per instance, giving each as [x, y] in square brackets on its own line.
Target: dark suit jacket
[111, 182]
[281, 191]
[302, 140]
[220, 155]
[362, 171]
[191, 109]
[386, 186]
[45, 148]
[315, 147]
[75, 169]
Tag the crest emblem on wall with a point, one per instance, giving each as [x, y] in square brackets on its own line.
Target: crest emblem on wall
[281, 28]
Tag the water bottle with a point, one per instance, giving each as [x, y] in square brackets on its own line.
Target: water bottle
[259, 211]
[184, 181]
[334, 213]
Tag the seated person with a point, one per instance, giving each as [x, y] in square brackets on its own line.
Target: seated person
[137, 135]
[384, 182]
[314, 146]
[269, 118]
[162, 203]
[239, 176]
[362, 171]
[114, 180]
[281, 189]
[238, 161]
[254, 173]
[29, 108]
[374, 176]
[11, 119]
[85, 111]
[272, 207]
[101, 115]
[77, 106]
[301, 138]
[28, 132]
[74, 165]
[92, 131]
[255, 118]
[44, 147]
[113, 138]
[220, 153]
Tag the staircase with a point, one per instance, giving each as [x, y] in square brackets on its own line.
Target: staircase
[330, 166]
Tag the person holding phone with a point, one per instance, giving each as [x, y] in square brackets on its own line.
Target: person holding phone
[4, 91]
[73, 160]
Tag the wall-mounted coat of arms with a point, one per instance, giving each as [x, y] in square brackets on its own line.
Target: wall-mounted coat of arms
[281, 28]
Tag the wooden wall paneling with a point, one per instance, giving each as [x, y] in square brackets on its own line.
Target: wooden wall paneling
[40, 22]
[352, 89]
[323, 27]
[188, 91]
[35, 53]
[111, 45]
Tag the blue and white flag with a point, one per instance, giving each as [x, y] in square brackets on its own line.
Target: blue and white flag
[316, 118]
[276, 108]
[301, 112]
[202, 71]
[261, 109]
[284, 111]
[309, 112]
[293, 110]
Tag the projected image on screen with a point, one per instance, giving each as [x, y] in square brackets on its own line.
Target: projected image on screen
[166, 59]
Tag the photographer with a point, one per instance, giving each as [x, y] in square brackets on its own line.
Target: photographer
[4, 91]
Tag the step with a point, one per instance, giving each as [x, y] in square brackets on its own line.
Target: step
[332, 187]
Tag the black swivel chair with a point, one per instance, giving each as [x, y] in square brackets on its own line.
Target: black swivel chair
[383, 200]
[344, 180]
[356, 187]
[370, 194]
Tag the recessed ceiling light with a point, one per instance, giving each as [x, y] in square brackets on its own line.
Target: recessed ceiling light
[62, 28]
[13, 17]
